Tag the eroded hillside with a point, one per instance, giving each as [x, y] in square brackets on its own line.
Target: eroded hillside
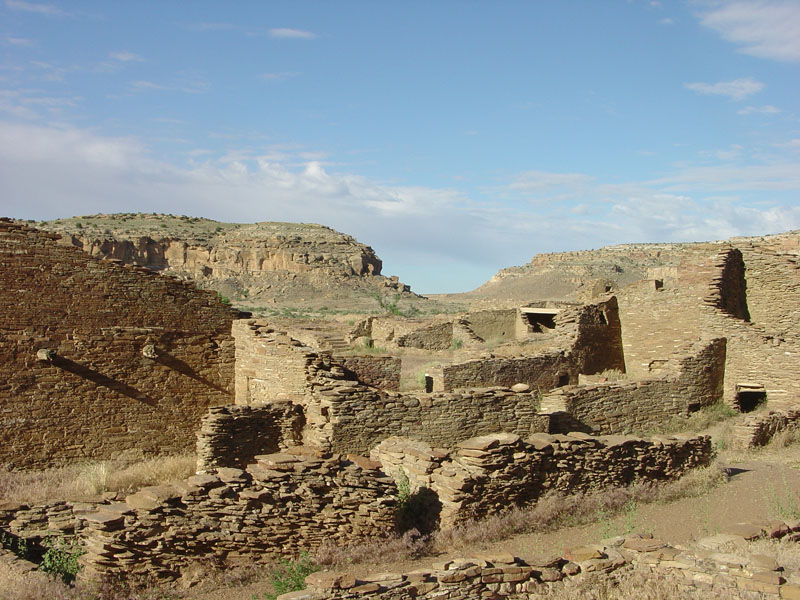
[252, 263]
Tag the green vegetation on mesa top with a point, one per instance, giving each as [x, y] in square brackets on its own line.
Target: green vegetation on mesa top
[159, 226]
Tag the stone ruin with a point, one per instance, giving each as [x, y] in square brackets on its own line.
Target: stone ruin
[299, 445]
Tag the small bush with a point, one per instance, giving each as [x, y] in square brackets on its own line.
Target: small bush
[290, 576]
[61, 558]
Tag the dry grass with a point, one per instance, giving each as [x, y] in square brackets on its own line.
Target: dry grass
[77, 482]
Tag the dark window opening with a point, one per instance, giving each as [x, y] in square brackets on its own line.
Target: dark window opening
[539, 322]
[659, 283]
[749, 400]
[693, 407]
[563, 379]
[608, 288]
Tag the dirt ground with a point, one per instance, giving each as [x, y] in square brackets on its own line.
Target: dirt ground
[763, 484]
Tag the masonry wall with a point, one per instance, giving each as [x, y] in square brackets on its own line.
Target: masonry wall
[377, 371]
[489, 474]
[621, 407]
[233, 435]
[102, 394]
[494, 324]
[434, 337]
[360, 417]
[589, 340]
[540, 372]
[269, 367]
[281, 505]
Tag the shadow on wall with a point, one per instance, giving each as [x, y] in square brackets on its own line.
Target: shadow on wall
[181, 367]
[102, 380]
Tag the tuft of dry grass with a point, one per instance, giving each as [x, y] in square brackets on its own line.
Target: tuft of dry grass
[76, 482]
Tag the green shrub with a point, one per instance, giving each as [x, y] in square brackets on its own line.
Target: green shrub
[290, 576]
[17, 545]
[61, 558]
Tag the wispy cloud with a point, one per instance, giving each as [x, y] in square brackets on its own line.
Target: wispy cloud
[49, 10]
[278, 76]
[142, 84]
[23, 42]
[286, 33]
[738, 89]
[667, 21]
[767, 109]
[764, 28]
[125, 56]
[210, 26]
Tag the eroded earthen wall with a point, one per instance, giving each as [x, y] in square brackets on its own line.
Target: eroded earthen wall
[135, 359]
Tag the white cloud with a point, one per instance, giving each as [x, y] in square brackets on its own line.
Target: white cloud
[765, 28]
[35, 7]
[125, 56]
[286, 33]
[667, 21]
[791, 144]
[22, 42]
[278, 76]
[738, 89]
[49, 172]
[767, 109]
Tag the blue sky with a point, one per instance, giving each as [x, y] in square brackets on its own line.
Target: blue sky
[456, 138]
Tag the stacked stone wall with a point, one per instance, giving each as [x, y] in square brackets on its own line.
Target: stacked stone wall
[773, 278]
[232, 436]
[360, 417]
[433, 337]
[589, 340]
[489, 474]
[622, 407]
[269, 367]
[129, 360]
[541, 372]
[494, 324]
[281, 505]
[377, 371]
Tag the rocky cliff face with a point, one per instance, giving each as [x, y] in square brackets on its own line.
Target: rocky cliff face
[251, 260]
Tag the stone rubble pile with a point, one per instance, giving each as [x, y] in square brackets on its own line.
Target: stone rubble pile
[720, 565]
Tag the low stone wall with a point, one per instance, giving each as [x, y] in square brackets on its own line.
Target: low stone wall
[541, 372]
[434, 337]
[758, 430]
[704, 567]
[489, 474]
[232, 436]
[382, 372]
[279, 506]
[360, 417]
[621, 407]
